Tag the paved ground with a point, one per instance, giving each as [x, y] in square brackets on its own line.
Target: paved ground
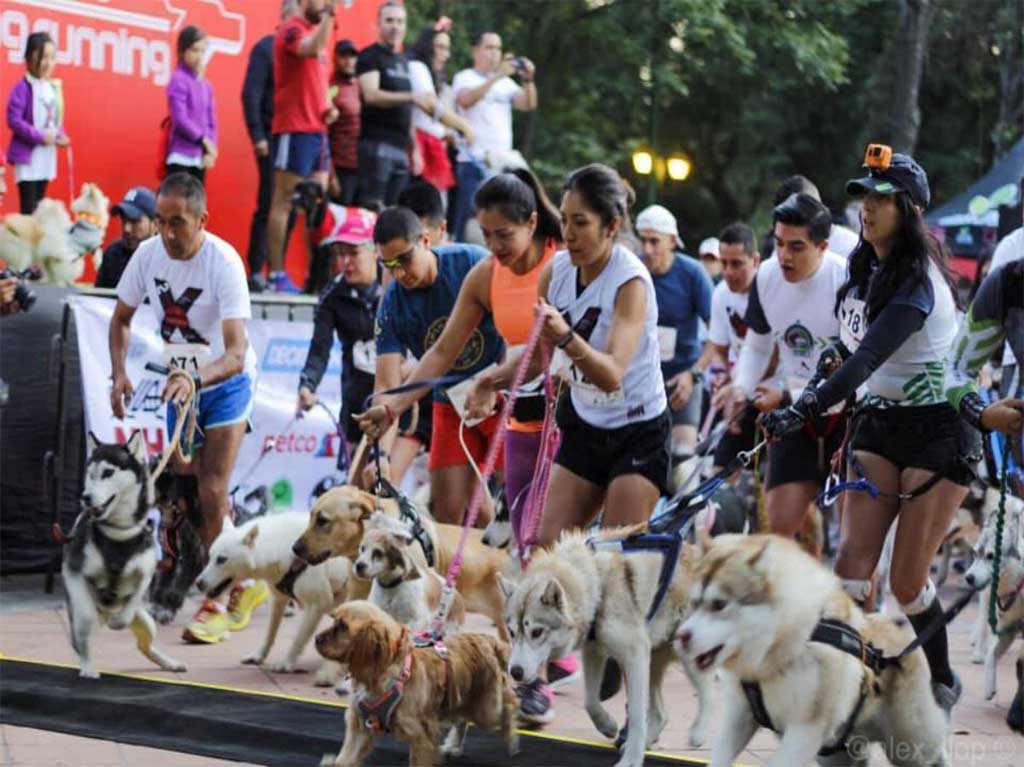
[33, 625]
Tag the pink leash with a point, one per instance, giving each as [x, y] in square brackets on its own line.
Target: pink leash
[492, 458]
[550, 439]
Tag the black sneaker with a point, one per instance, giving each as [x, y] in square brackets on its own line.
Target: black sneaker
[535, 702]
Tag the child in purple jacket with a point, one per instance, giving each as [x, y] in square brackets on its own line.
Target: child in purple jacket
[34, 111]
[192, 139]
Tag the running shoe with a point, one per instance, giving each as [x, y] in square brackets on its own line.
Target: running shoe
[535, 702]
[245, 597]
[947, 696]
[209, 626]
[257, 283]
[563, 672]
[280, 282]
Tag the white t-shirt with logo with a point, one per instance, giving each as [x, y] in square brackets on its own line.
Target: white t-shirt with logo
[1010, 248]
[190, 298]
[490, 117]
[728, 326]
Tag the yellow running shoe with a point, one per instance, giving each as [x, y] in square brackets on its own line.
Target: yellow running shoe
[210, 625]
[245, 597]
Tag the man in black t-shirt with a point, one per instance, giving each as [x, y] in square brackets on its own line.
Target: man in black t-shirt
[386, 136]
[136, 210]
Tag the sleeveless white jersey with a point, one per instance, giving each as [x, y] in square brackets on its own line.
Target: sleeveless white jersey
[641, 396]
[914, 374]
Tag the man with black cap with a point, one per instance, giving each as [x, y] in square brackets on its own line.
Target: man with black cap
[136, 211]
[344, 131]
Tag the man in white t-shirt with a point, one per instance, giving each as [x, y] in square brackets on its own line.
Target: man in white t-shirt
[1010, 248]
[841, 240]
[197, 288]
[739, 257]
[486, 95]
[791, 305]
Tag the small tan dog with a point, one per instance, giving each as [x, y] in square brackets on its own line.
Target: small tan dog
[411, 692]
[404, 588]
[339, 520]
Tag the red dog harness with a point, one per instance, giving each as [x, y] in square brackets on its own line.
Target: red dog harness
[376, 714]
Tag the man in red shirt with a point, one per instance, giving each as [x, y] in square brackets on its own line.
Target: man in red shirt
[301, 114]
[344, 132]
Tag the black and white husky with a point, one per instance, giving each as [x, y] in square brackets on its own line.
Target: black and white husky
[110, 559]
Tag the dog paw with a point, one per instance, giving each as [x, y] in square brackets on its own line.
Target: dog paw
[88, 672]
[326, 676]
[604, 722]
[977, 658]
[176, 666]
[118, 622]
[698, 736]
[253, 659]
[284, 668]
[328, 761]
[343, 687]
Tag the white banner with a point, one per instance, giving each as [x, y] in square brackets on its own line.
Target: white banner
[286, 456]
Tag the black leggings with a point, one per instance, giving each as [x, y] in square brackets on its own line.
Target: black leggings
[30, 193]
[192, 170]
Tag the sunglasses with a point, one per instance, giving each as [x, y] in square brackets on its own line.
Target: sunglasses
[400, 261]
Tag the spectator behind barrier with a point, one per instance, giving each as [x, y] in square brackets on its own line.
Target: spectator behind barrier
[35, 110]
[485, 95]
[344, 132]
[192, 135]
[137, 211]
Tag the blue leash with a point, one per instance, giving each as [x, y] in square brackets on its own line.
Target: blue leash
[427, 383]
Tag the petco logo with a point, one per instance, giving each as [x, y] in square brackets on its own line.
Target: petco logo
[310, 444]
[127, 37]
[288, 355]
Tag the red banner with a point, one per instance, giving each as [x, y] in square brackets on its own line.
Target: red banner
[114, 59]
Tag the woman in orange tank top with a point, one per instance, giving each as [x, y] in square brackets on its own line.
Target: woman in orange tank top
[522, 228]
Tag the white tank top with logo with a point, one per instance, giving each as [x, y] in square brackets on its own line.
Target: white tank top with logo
[913, 376]
[641, 396]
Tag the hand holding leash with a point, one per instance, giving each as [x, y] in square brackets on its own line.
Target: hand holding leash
[783, 421]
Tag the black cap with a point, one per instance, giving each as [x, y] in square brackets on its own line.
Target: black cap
[902, 175]
[345, 46]
[138, 202]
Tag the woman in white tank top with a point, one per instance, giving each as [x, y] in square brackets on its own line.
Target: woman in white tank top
[601, 317]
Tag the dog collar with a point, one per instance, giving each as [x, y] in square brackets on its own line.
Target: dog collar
[377, 714]
[394, 584]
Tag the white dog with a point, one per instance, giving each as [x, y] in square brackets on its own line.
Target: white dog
[595, 598]
[262, 549]
[756, 601]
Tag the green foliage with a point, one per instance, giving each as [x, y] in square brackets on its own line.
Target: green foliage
[751, 90]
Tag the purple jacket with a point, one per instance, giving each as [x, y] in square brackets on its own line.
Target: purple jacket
[22, 124]
[193, 113]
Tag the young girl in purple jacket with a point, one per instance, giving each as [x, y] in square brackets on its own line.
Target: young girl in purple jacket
[192, 140]
[34, 111]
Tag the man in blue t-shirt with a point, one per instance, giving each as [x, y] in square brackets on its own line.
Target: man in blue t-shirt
[683, 291]
[411, 317]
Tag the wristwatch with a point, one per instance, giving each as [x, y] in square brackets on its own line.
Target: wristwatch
[565, 340]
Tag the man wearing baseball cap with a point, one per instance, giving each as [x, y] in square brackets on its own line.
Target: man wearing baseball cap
[136, 211]
[709, 258]
[348, 306]
[683, 292]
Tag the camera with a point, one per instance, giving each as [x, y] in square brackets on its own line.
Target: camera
[310, 198]
[25, 297]
[878, 156]
[520, 64]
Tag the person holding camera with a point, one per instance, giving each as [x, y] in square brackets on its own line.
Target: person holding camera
[485, 96]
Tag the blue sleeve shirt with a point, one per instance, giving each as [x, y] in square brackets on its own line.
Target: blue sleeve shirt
[412, 320]
[684, 298]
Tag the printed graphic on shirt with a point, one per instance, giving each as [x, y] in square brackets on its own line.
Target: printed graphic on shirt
[471, 352]
[798, 339]
[739, 327]
[176, 313]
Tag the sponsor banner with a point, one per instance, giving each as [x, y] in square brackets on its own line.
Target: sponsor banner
[283, 456]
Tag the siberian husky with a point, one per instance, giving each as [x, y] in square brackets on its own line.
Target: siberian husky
[110, 559]
[755, 602]
[261, 549]
[581, 594]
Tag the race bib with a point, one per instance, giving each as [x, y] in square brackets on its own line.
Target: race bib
[188, 357]
[364, 356]
[667, 342]
[588, 392]
[852, 322]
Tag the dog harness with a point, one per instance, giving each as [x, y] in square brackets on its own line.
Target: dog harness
[845, 639]
[377, 714]
[408, 513]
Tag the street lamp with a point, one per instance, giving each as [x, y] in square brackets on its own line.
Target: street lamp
[643, 162]
[678, 168]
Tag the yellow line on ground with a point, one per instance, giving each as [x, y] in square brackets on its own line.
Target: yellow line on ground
[333, 704]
